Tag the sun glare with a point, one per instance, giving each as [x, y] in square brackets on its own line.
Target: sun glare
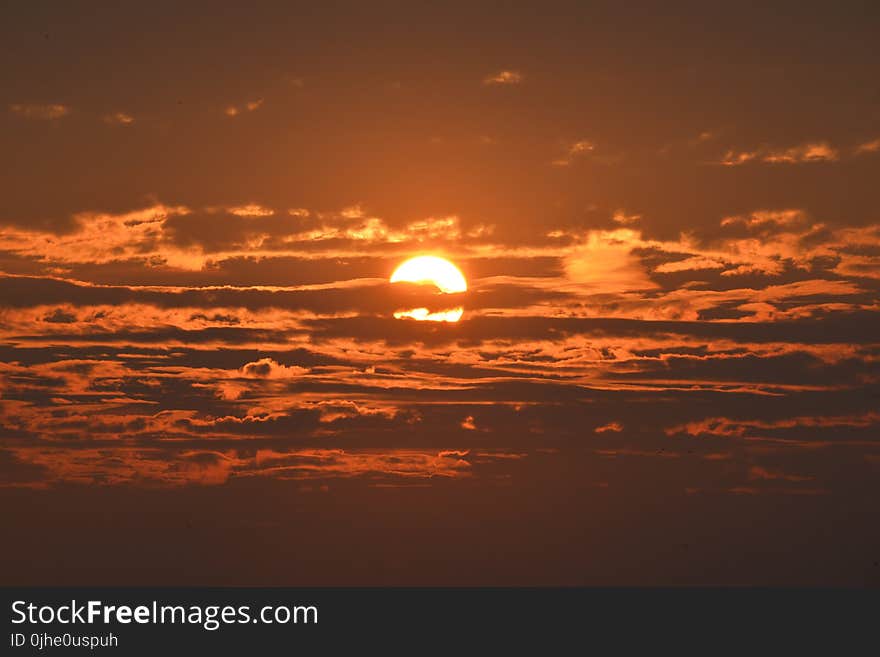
[431, 270]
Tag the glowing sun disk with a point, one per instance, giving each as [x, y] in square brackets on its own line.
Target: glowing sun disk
[431, 269]
[439, 272]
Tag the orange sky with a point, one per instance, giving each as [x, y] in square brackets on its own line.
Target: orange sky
[667, 220]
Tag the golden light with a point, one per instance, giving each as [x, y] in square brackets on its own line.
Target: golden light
[431, 270]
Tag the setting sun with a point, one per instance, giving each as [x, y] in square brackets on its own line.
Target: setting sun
[431, 270]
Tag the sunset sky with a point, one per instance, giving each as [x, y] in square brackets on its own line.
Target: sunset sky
[666, 370]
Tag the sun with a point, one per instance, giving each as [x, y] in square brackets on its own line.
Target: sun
[431, 269]
[435, 271]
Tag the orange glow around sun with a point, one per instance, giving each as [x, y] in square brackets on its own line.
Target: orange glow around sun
[431, 270]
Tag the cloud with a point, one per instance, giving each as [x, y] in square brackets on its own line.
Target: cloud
[266, 368]
[694, 263]
[813, 152]
[40, 112]
[117, 466]
[872, 146]
[804, 153]
[772, 238]
[183, 238]
[624, 219]
[858, 266]
[251, 210]
[381, 464]
[170, 467]
[615, 427]
[134, 327]
[761, 473]
[733, 158]
[574, 151]
[100, 237]
[772, 243]
[316, 263]
[604, 260]
[767, 218]
[504, 78]
[729, 427]
[249, 106]
[118, 118]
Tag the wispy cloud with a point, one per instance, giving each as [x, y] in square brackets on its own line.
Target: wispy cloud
[40, 112]
[118, 118]
[614, 427]
[504, 77]
[803, 153]
[171, 468]
[815, 152]
[250, 106]
[739, 428]
[574, 151]
[761, 473]
[624, 219]
[872, 146]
